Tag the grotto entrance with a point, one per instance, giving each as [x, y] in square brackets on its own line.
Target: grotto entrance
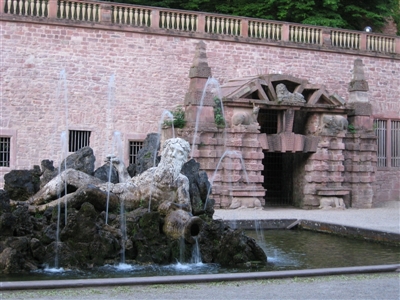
[291, 118]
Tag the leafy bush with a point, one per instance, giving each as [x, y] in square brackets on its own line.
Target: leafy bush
[218, 115]
[179, 118]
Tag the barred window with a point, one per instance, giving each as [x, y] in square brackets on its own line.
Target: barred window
[78, 139]
[134, 147]
[388, 133]
[5, 143]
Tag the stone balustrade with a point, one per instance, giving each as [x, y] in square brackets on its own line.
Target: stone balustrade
[178, 21]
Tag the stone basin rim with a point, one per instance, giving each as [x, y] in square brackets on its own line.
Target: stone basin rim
[201, 278]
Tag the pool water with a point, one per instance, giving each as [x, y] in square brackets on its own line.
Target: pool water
[285, 249]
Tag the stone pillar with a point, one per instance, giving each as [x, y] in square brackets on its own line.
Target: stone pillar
[197, 98]
[360, 142]
[324, 171]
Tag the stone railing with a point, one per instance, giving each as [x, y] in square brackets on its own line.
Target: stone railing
[175, 21]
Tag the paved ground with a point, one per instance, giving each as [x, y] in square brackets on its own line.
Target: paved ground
[384, 286]
[385, 218]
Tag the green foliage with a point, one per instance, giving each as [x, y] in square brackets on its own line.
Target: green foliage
[218, 115]
[179, 118]
[349, 14]
[351, 128]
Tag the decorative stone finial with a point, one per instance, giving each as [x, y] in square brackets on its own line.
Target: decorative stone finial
[200, 66]
[358, 83]
[358, 86]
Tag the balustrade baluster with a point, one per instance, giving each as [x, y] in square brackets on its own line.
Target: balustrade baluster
[61, 9]
[143, 17]
[236, 27]
[185, 22]
[130, 16]
[126, 15]
[90, 12]
[168, 20]
[26, 8]
[269, 30]
[44, 3]
[73, 4]
[8, 6]
[307, 33]
[36, 8]
[79, 11]
[15, 6]
[136, 16]
[345, 43]
[213, 24]
[67, 10]
[178, 19]
[251, 25]
[173, 23]
[20, 5]
[84, 11]
[120, 15]
[146, 17]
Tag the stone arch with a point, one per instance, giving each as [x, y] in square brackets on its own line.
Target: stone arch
[286, 103]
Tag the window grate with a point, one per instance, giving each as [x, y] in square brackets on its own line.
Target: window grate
[380, 131]
[395, 143]
[78, 139]
[5, 143]
[134, 147]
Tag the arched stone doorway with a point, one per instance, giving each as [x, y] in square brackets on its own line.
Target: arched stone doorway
[292, 136]
[291, 121]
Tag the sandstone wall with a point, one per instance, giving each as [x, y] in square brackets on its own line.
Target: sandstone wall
[151, 74]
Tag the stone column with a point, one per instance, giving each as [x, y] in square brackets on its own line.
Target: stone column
[360, 142]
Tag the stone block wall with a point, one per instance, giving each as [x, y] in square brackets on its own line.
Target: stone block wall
[360, 168]
[324, 171]
[151, 74]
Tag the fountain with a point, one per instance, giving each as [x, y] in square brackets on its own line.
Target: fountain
[137, 236]
[212, 84]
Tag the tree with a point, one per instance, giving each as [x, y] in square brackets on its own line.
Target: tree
[348, 14]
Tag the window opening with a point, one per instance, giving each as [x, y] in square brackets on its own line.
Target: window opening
[395, 143]
[380, 131]
[5, 143]
[78, 139]
[134, 147]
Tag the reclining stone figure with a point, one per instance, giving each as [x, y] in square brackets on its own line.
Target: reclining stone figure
[163, 186]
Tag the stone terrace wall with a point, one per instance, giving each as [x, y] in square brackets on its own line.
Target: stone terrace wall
[151, 74]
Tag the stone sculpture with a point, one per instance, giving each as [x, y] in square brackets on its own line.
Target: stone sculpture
[246, 118]
[331, 202]
[164, 183]
[283, 94]
[333, 124]
[29, 234]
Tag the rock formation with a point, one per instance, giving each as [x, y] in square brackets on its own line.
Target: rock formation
[161, 206]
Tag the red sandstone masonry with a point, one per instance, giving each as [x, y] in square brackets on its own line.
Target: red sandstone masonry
[151, 75]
